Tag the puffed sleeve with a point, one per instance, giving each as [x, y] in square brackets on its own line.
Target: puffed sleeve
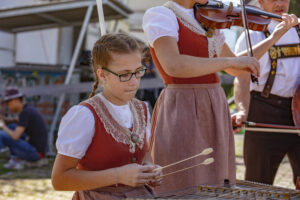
[76, 131]
[158, 22]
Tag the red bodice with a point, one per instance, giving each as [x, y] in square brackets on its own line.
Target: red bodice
[189, 43]
[105, 151]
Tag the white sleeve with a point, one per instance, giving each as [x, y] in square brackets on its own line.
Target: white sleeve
[220, 37]
[76, 132]
[255, 37]
[158, 22]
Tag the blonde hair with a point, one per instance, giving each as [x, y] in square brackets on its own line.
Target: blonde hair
[107, 44]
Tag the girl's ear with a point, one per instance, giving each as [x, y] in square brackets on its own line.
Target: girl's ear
[100, 74]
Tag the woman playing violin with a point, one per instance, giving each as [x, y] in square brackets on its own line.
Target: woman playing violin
[192, 112]
[270, 101]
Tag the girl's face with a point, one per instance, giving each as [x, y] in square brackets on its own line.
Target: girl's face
[116, 91]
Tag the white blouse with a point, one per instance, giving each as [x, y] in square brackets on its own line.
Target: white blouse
[161, 21]
[288, 69]
[77, 127]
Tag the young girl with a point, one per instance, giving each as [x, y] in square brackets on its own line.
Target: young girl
[191, 113]
[102, 142]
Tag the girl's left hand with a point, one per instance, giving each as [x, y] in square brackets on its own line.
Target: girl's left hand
[158, 179]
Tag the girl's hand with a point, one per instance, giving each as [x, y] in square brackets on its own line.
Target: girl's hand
[158, 179]
[247, 63]
[135, 175]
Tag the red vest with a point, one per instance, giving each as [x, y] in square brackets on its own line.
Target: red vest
[105, 151]
[189, 43]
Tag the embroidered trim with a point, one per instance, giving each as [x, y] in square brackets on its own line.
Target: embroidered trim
[119, 133]
[214, 46]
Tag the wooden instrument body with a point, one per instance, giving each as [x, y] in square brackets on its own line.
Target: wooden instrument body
[242, 190]
[217, 15]
[296, 106]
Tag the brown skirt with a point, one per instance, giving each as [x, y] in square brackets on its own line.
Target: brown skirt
[114, 193]
[187, 119]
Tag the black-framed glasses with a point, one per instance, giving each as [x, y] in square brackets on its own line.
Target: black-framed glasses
[127, 76]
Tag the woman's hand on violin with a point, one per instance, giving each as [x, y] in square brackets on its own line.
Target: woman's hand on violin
[288, 21]
[246, 63]
[136, 175]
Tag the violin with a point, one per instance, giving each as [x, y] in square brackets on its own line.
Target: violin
[217, 15]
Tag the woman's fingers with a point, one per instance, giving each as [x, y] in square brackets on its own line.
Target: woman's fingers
[254, 67]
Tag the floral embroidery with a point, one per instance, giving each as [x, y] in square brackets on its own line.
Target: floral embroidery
[214, 46]
[119, 133]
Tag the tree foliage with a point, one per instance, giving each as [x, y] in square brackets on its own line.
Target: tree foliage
[295, 7]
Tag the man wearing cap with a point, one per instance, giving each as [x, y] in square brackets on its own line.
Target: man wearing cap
[30, 122]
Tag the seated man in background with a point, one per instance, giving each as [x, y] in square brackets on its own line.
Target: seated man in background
[27, 139]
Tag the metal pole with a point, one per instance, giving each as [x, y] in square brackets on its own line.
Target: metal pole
[101, 17]
[245, 29]
[69, 75]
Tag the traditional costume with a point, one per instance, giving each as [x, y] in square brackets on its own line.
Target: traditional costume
[271, 103]
[103, 135]
[191, 114]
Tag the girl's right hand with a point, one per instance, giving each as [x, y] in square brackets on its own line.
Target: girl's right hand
[135, 175]
[247, 63]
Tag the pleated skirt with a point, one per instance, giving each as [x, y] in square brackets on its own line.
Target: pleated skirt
[187, 119]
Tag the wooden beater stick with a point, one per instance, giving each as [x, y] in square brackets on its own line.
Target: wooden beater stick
[208, 161]
[204, 152]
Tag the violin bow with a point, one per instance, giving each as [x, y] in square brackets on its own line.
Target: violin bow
[247, 36]
[273, 128]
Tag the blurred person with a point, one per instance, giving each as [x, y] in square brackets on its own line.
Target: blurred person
[26, 135]
[149, 94]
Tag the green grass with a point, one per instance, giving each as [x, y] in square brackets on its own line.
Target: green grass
[32, 172]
